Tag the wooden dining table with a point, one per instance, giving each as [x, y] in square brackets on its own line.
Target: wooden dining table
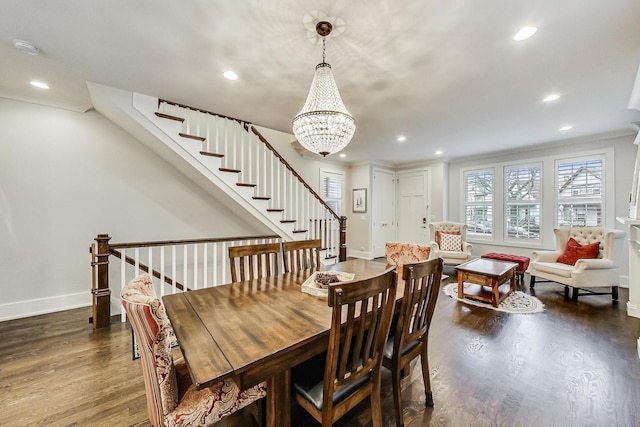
[256, 331]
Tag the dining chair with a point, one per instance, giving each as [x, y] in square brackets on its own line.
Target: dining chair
[331, 384]
[408, 338]
[301, 255]
[254, 261]
[172, 398]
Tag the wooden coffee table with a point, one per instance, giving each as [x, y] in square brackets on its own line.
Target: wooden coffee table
[486, 273]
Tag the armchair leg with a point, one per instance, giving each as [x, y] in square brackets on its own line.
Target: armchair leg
[614, 293]
[532, 282]
[566, 292]
[574, 295]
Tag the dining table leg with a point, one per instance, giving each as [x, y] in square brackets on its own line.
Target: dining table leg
[278, 400]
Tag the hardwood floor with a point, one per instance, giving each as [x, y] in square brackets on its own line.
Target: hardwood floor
[573, 365]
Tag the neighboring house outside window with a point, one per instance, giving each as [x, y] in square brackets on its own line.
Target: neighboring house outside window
[580, 193]
[478, 202]
[522, 201]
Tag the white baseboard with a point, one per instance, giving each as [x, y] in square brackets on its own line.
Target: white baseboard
[360, 254]
[34, 307]
[632, 310]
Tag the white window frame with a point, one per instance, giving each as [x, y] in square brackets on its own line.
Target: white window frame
[506, 203]
[492, 204]
[335, 173]
[549, 196]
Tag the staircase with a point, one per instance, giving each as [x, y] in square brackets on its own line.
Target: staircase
[232, 155]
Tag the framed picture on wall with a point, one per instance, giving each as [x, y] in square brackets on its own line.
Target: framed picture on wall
[359, 200]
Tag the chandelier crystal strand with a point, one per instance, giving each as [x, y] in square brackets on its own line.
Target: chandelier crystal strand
[324, 126]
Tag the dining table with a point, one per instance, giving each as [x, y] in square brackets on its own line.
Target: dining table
[257, 330]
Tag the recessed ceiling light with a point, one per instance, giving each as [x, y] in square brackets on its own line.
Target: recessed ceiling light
[438, 153]
[525, 33]
[567, 127]
[551, 97]
[230, 75]
[342, 156]
[39, 85]
[401, 138]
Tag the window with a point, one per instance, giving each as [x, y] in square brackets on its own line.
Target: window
[580, 192]
[478, 202]
[331, 189]
[522, 202]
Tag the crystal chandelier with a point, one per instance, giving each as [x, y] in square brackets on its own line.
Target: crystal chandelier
[324, 126]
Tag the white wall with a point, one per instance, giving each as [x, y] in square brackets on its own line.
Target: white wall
[65, 177]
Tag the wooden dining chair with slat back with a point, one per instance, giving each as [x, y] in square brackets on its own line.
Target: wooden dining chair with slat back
[408, 337]
[301, 255]
[253, 261]
[329, 385]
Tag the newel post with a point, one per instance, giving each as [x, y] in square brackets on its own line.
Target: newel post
[343, 238]
[101, 294]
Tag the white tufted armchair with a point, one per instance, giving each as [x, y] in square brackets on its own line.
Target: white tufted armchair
[463, 254]
[600, 272]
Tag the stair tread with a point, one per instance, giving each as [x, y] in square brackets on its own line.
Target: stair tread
[299, 231]
[261, 198]
[206, 153]
[169, 116]
[245, 184]
[229, 170]
[287, 220]
[330, 257]
[275, 210]
[196, 137]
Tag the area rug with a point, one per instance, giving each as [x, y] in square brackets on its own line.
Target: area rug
[516, 302]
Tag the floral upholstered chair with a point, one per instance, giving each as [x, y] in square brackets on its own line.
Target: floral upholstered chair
[399, 254]
[585, 257]
[172, 398]
[448, 241]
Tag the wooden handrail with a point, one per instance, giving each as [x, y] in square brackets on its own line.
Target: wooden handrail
[188, 241]
[177, 104]
[288, 166]
[145, 268]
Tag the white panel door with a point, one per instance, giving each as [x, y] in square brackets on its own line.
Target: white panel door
[413, 208]
[383, 210]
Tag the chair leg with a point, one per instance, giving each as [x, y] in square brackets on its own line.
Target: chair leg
[574, 295]
[532, 281]
[376, 405]
[566, 292]
[396, 374]
[614, 293]
[425, 376]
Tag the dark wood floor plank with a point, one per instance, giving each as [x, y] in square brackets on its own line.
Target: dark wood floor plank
[572, 365]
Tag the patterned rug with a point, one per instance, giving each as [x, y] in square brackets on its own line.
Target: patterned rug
[517, 302]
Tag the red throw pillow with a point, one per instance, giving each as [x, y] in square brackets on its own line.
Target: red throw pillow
[575, 251]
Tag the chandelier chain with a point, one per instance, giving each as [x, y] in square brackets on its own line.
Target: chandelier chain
[324, 47]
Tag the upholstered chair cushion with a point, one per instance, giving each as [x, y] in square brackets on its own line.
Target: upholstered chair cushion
[399, 254]
[575, 251]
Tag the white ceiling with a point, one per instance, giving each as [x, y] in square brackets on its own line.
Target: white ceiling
[447, 74]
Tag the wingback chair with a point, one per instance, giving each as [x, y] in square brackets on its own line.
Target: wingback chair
[172, 398]
[599, 272]
[446, 244]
